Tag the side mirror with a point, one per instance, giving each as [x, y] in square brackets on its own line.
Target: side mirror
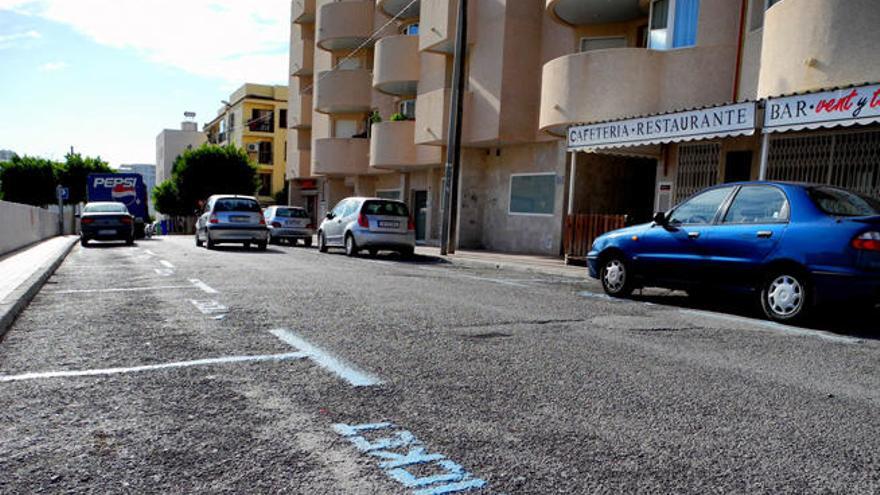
[329, 215]
[660, 218]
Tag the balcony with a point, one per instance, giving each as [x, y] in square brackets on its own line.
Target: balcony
[815, 44]
[589, 12]
[302, 11]
[432, 117]
[341, 157]
[344, 91]
[394, 7]
[302, 56]
[392, 147]
[396, 65]
[299, 113]
[618, 83]
[344, 25]
[437, 25]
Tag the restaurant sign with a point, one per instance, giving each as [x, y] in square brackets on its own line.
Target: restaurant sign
[707, 123]
[843, 107]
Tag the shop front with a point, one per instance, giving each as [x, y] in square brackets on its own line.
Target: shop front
[827, 137]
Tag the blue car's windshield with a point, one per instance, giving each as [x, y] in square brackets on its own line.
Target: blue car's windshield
[843, 203]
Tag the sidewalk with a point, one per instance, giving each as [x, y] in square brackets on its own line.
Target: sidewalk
[516, 262]
[24, 272]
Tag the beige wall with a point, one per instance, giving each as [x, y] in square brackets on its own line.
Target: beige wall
[24, 225]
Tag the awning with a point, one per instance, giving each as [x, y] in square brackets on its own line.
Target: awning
[706, 123]
[842, 107]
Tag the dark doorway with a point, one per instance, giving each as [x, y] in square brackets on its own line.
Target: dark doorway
[738, 167]
[420, 211]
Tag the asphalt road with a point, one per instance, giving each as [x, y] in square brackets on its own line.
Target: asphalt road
[169, 368]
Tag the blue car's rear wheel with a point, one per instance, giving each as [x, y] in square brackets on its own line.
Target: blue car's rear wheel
[785, 296]
[616, 277]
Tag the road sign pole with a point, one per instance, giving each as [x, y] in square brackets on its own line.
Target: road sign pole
[59, 194]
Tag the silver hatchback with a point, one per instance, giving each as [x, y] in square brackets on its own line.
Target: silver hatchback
[289, 223]
[371, 224]
[235, 219]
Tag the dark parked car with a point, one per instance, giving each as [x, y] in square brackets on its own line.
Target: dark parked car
[106, 221]
[792, 245]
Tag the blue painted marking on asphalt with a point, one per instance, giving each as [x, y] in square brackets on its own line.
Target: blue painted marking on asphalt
[453, 479]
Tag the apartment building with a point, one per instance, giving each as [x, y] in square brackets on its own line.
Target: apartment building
[578, 106]
[170, 143]
[255, 119]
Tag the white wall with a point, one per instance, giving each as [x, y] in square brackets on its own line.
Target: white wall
[21, 225]
[170, 143]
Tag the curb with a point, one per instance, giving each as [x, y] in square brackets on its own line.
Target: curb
[517, 267]
[15, 303]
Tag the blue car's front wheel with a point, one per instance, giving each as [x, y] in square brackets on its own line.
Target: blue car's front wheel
[785, 296]
[616, 276]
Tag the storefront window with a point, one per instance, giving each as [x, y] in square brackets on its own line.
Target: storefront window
[532, 194]
[673, 24]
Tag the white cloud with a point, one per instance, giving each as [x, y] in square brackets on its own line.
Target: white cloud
[237, 41]
[11, 40]
[53, 66]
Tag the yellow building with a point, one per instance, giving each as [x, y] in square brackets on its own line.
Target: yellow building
[255, 118]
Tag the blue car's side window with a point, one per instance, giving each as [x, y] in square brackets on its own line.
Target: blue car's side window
[758, 204]
[701, 209]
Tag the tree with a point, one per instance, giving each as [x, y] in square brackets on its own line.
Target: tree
[210, 169]
[166, 199]
[29, 180]
[75, 172]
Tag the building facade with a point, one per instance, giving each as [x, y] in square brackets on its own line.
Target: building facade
[255, 119]
[577, 107]
[170, 143]
[148, 172]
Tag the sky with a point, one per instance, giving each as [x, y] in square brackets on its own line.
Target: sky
[106, 76]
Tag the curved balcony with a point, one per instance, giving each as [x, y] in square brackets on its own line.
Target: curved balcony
[394, 7]
[343, 91]
[396, 65]
[302, 56]
[344, 25]
[437, 25]
[302, 11]
[626, 82]
[587, 12]
[816, 44]
[432, 115]
[392, 147]
[341, 157]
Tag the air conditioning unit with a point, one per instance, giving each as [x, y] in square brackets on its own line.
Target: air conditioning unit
[253, 147]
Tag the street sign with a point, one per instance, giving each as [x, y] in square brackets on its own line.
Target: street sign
[62, 193]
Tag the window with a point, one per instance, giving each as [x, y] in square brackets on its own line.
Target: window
[265, 185]
[407, 108]
[843, 203]
[603, 43]
[262, 120]
[388, 193]
[532, 194]
[410, 29]
[701, 209]
[291, 213]
[282, 118]
[387, 208]
[236, 204]
[758, 204]
[105, 208]
[673, 24]
[350, 207]
[340, 207]
[265, 155]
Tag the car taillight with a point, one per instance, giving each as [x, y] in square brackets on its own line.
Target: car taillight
[126, 220]
[214, 219]
[410, 225]
[869, 241]
[277, 225]
[87, 220]
[310, 226]
[363, 222]
[262, 220]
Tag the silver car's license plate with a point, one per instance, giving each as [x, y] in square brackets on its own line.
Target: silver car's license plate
[238, 218]
[106, 232]
[389, 225]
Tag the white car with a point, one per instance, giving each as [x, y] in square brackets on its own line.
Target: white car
[232, 219]
[371, 224]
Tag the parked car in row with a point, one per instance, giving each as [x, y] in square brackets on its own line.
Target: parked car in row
[289, 223]
[232, 219]
[791, 245]
[371, 224]
[106, 221]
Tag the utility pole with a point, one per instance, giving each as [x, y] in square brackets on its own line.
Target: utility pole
[453, 138]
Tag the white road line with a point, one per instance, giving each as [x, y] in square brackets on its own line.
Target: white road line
[164, 272]
[149, 252]
[502, 281]
[166, 264]
[779, 327]
[203, 286]
[120, 289]
[349, 373]
[209, 307]
[152, 367]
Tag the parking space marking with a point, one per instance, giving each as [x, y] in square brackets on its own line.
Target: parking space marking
[164, 272]
[209, 307]
[120, 289]
[166, 264]
[401, 452]
[779, 327]
[203, 286]
[152, 367]
[149, 252]
[347, 372]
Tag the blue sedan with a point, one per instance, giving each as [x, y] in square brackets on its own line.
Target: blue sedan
[792, 245]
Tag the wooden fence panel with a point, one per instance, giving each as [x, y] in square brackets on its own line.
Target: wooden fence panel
[582, 230]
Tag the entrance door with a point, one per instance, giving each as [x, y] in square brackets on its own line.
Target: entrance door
[738, 167]
[420, 211]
